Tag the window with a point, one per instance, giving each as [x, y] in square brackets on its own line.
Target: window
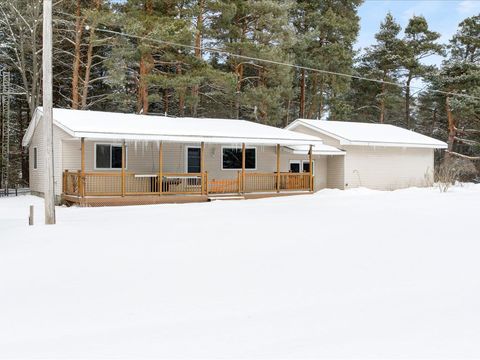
[232, 158]
[35, 158]
[108, 156]
[194, 159]
[295, 166]
[306, 166]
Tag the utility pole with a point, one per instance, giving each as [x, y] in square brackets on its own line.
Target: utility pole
[48, 113]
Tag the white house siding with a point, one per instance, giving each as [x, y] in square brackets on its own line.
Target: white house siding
[36, 176]
[37, 183]
[388, 168]
[377, 167]
[143, 158]
[336, 172]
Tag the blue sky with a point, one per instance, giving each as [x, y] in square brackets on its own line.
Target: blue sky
[443, 16]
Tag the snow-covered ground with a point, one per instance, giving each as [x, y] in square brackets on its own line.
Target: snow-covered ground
[353, 274]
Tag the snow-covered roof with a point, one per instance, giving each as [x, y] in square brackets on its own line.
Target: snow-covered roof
[320, 149]
[109, 125]
[356, 133]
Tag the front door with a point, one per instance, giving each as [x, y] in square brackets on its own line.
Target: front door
[193, 160]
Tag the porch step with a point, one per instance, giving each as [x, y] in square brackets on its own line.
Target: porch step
[226, 197]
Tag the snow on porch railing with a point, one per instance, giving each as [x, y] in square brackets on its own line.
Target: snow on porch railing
[264, 182]
[114, 184]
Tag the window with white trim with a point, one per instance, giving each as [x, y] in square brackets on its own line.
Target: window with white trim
[306, 166]
[35, 158]
[232, 158]
[297, 166]
[294, 166]
[109, 156]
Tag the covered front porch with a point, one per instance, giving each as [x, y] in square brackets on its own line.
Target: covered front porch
[208, 175]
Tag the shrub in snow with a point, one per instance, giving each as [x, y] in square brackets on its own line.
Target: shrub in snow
[452, 170]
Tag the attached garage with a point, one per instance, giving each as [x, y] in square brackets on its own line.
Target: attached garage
[377, 156]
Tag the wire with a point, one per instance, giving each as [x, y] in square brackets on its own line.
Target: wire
[274, 62]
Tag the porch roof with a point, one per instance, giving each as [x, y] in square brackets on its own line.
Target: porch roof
[120, 126]
[319, 149]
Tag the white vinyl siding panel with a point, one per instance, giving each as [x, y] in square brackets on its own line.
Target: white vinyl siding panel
[388, 168]
[37, 183]
[336, 172]
[36, 176]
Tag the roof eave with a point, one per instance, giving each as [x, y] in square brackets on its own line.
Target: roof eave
[27, 138]
[192, 139]
[393, 144]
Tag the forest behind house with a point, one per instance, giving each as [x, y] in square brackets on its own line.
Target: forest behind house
[203, 58]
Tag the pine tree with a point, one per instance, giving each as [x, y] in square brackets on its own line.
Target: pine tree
[419, 43]
[326, 32]
[383, 61]
[460, 74]
[257, 29]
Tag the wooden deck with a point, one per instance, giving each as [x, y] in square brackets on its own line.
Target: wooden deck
[111, 189]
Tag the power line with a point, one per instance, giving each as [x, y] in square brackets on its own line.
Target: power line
[274, 62]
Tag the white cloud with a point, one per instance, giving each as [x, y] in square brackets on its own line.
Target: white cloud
[468, 7]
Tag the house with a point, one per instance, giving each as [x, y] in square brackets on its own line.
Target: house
[105, 158]
[377, 156]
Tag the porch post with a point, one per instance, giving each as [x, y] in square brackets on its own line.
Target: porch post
[311, 167]
[278, 168]
[202, 166]
[82, 171]
[160, 168]
[123, 168]
[243, 168]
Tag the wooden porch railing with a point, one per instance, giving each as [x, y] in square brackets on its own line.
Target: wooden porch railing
[111, 183]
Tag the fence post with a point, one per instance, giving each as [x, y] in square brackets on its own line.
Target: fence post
[310, 155]
[206, 183]
[278, 168]
[160, 168]
[30, 218]
[80, 183]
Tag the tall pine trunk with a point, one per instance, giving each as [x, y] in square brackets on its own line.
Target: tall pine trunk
[145, 66]
[452, 130]
[88, 65]
[79, 23]
[382, 104]
[239, 75]
[198, 54]
[302, 94]
[407, 101]
[314, 103]
[181, 93]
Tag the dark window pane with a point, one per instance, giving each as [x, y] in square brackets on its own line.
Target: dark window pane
[35, 158]
[116, 157]
[193, 160]
[294, 167]
[306, 167]
[232, 158]
[250, 158]
[103, 156]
